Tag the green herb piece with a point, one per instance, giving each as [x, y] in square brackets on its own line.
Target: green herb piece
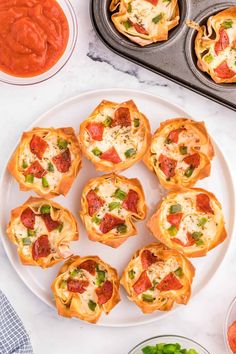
[92, 305]
[227, 24]
[26, 241]
[96, 151]
[202, 222]
[119, 194]
[183, 150]
[136, 122]
[63, 284]
[191, 351]
[100, 277]
[131, 274]
[189, 171]
[130, 152]
[209, 58]
[45, 182]
[165, 348]
[24, 164]
[29, 178]
[129, 8]
[60, 227]
[179, 272]
[176, 208]
[107, 122]
[74, 272]
[50, 167]
[62, 144]
[158, 18]
[45, 209]
[197, 235]
[169, 1]
[113, 205]
[31, 233]
[199, 242]
[122, 228]
[147, 298]
[173, 230]
[127, 24]
[96, 220]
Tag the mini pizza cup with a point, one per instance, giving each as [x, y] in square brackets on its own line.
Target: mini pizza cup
[115, 136]
[145, 21]
[110, 206]
[42, 231]
[190, 221]
[215, 46]
[85, 287]
[180, 153]
[157, 277]
[47, 161]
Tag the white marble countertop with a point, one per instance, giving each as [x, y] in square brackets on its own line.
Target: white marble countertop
[94, 66]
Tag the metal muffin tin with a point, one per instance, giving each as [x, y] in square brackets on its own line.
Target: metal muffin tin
[175, 58]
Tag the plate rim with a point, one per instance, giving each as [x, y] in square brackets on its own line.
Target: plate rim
[112, 91]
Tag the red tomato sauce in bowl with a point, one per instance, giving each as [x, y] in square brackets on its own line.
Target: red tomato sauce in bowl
[33, 36]
[232, 336]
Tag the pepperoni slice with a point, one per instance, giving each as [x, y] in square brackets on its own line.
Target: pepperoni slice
[190, 241]
[131, 200]
[63, 161]
[140, 29]
[95, 130]
[147, 259]
[89, 265]
[104, 292]
[223, 41]
[28, 218]
[232, 337]
[167, 165]
[170, 282]
[122, 117]
[174, 135]
[36, 170]
[109, 222]
[203, 203]
[38, 146]
[49, 222]
[153, 2]
[223, 71]
[77, 286]
[175, 219]
[41, 248]
[111, 155]
[193, 160]
[142, 284]
[94, 202]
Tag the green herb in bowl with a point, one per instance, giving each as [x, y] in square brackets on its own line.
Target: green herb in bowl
[164, 348]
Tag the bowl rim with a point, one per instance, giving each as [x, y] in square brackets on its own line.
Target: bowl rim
[132, 351]
[65, 57]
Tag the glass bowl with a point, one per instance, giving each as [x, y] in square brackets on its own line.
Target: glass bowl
[73, 32]
[184, 342]
[230, 318]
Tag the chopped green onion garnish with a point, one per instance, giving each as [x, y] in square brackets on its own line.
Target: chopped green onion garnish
[173, 230]
[50, 167]
[107, 122]
[60, 227]
[158, 18]
[122, 228]
[45, 209]
[227, 24]
[24, 164]
[62, 144]
[209, 58]
[130, 152]
[176, 208]
[147, 298]
[113, 205]
[197, 235]
[202, 222]
[131, 274]
[26, 241]
[92, 305]
[183, 150]
[63, 284]
[179, 272]
[119, 194]
[96, 220]
[100, 277]
[31, 233]
[96, 151]
[189, 171]
[127, 24]
[199, 242]
[129, 8]
[29, 178]
[45, 182]
[164, 348]
[74, 272]
[136, 122]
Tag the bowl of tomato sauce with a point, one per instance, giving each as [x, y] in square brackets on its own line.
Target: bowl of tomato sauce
[230, 328]
[37, 38]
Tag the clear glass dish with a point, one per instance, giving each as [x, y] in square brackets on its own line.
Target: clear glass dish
[73, 32]
[186, 343]
[230, 318]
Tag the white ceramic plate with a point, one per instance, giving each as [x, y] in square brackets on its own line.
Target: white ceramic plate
[71, 113]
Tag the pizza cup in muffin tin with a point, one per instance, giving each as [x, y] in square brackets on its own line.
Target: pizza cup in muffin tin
[85, 288]
[47, 161]
[145, 21]
[42, 231]
[215, 46]
[180, 153]
[190, 221]
[110, 205]
[157, 277]
[115, 136]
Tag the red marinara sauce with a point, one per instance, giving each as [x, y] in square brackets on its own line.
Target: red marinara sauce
[232, 337]
[33, 36]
